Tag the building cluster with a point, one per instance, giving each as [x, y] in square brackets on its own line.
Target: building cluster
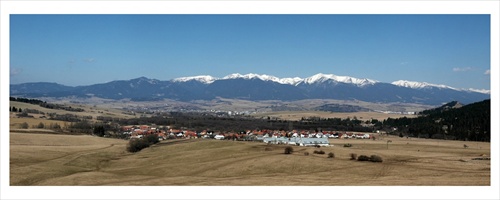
[295, 137]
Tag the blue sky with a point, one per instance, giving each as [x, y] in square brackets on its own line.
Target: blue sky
[86, 49]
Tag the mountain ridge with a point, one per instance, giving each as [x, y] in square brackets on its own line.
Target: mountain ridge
[321, 77]
[257, 87]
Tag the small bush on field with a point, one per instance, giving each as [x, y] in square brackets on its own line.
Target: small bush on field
[354, 156]
[288, 150]
[268, 149]
[151, 139]
[363, 158]
[375, 158]
[306, 153]
[24, 125]
[347, 145]
[319, 152]
[135, 145]
[331, 155]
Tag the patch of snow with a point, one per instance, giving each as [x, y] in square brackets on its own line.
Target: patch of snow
[420, 85]
[206, 79]
[479, 90]
[319, 78]
[291, 81]
[265, 77]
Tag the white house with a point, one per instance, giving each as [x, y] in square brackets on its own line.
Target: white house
[298, 141]
[219, 137]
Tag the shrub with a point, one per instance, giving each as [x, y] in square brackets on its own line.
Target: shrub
[347, 145]
[268, 149]
[319, 152]
[354, 156]
[306, 153]
[151, 139]
[375, 158]
[99, 130]
[288, 150]
[24, 125]
[54, 126]
[331, 155]
[363, 158]
[135, 145]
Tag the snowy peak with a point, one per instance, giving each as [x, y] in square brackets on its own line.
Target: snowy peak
[206, 79]
[291, 81]
[483, 91]
[263, 77]
[319, 78]
[420, 85]
[411, 84]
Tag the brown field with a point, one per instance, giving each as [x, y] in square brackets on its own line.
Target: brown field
[57, 160]
[15, 122]
[89, 110]
[297, 115]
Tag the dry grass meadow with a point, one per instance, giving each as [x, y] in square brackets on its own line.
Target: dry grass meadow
[89, 110]
[67, 160]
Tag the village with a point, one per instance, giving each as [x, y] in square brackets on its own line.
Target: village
[295, 137]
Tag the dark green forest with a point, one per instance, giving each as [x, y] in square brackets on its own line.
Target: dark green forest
[199, 122]
[471, 123]
[45, 104]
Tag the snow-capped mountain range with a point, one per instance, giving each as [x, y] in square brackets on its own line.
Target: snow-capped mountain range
[319, 78]
[259, 87]
[207, 79]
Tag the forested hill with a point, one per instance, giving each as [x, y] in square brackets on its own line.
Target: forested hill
[470, 122]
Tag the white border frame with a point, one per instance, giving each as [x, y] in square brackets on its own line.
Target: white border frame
[248, 7]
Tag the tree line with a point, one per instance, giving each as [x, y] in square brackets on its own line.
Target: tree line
[46, 105]
[200, 122]
[470, 122]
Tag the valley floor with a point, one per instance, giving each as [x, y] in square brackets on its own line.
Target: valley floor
[67, 160]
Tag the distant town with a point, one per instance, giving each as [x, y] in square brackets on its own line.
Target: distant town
[295, 137]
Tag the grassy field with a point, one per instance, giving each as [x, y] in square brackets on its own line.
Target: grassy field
[89, 110]
[15, 122]
[57, 160]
